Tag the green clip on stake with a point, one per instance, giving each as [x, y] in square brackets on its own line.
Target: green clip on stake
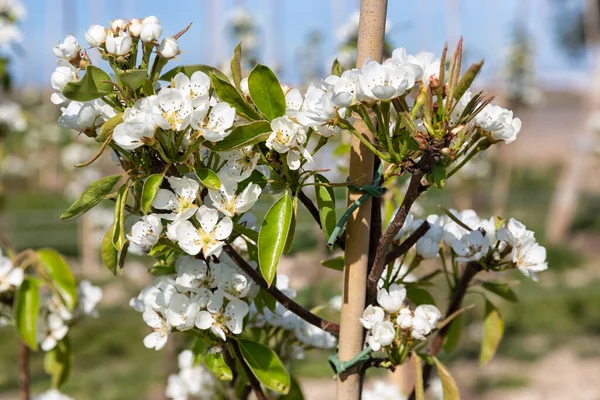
[368, 190]
[340, 366]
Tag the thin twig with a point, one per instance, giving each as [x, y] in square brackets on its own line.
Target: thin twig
[471, 269]
[288, 303]
[408, 243]
[254, 383]
[23, 370]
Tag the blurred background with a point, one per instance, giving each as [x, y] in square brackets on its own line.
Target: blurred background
[541, 60]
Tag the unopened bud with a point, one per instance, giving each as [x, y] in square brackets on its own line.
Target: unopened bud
[119, 25]
[168, 48]
[96, 35]
[135, 28]
[151, 29]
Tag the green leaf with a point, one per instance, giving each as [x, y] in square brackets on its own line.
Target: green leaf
[133, 78]
[336, 68]
[108, 127]
[61, 276]
[230, 95]
[149, 191]
[493, 329]
[91, 196]
[27, 308]
[453, 336]
[236, 65]
[419, 296]
[437, 176]
[290, 237]
[94, 84]
[295, 392]
[266, 92]
[467, 79]
[266, 366]
[501, 289]
[189, 70]
[264, 299]
[108, 251]
[242, 136]
[244, 230]
[419, 387]
[58, 362]
[273, 235]
[208, 178]
[216, 364]
[449, 386]
[118, 238]
[326, 204]
[336, 263]
[148, 88]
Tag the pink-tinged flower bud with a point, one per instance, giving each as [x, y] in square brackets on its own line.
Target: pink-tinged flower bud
[168, 48]
[151, 29]
[135, 28]
[118, 44]
[96, 35]
[68, 49]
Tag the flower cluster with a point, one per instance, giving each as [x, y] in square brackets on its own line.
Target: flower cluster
[191, 380]
[199, 296]
[392, 316]
[57, 319]
[487, 241]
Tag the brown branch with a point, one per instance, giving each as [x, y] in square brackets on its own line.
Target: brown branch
[23, 371]
[288, 303]
[254, 383]
[386, 239]
[471, 269]
[408, 243]
[314, 211]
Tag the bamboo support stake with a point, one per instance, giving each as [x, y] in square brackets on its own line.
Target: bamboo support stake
[371, 32]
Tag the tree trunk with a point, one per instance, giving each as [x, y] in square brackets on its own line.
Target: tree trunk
[371, 34]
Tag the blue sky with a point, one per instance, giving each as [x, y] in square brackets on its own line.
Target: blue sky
[415, 24]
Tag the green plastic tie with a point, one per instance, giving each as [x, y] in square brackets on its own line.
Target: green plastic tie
[368, 190]
[340, 367]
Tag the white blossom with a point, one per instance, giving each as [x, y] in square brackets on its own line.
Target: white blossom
[146, 231]
[213, 124]
[157, 339]
[471, 247]
[499, 122]
[197, 87]
[88, 297]
[180, 201]
[52, 331]
[229, 202]
[52, 394]
[135, 27]
[372, 315]
[182, 312]
[382, 334]
[391, 299]
[288, 137]
[240, 163]
[174, 110]
[209, 237]
[67, 49]
[10, 277]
